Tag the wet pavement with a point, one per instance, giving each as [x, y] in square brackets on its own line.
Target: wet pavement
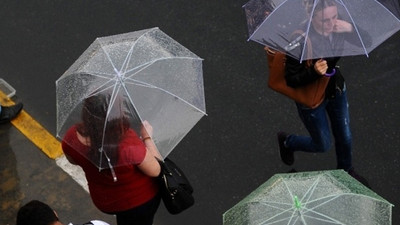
[27, 173]
[230, 152]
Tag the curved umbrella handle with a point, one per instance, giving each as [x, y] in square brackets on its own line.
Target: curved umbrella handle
[331, 73]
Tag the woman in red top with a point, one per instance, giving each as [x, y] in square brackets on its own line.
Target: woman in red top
[129, 191]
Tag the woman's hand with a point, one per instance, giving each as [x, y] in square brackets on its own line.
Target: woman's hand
[321, 66]
[146, 130]
[342, 26]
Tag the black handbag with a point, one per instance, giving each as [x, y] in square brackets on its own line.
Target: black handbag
[176, 191]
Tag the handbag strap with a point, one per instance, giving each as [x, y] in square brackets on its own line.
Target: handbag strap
[164, 167]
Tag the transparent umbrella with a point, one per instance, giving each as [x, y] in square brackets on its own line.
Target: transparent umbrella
[355, 28]
[140, 76]
[318, 198]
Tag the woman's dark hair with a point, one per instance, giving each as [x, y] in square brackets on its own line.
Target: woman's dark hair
[104, 128]
[36, 213]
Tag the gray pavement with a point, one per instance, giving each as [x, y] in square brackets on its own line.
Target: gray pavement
[27, 173]
[230, 152]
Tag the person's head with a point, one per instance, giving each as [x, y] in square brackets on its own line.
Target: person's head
[37, 213]
[94, 112]
[104, 127]
[324, 16]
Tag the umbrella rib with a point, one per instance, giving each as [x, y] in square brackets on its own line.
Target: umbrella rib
[102, 75]
[343, 194]
[307, 32]
[267, 221]
[127, 58]
[355, 28]
[332, 221]
[183, 100]
[133, 105]
[173, 95]
[259, 26]
[131, 101]
[112, 101]
[129, 55]
[305, 209]
[131, 50]
[311, 190]
[269, 203]
[331, 198]
[291, 196]
[297, 218]
[302, 218]
[145, 65]
[118, 73]
[145, 84]
[328, 218]
[105, 76]
[99, 88]
[292, 216]
[152, 86]
[288, 189]
[116, 88]
[325, 216]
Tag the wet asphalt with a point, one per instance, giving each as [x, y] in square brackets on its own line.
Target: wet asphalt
[230, 152]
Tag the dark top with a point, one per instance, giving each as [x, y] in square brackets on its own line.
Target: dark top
[298, 74]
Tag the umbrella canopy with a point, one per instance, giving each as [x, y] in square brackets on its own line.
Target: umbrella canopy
[354, 28]
[321, 197]
[392, 5]
[135, 77]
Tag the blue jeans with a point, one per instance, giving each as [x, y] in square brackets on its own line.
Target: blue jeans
[317, 124]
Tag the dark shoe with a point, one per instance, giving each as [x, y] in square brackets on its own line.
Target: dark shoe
[358, 177]
[287, 156]
[9, 112]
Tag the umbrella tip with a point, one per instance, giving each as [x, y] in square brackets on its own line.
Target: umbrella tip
[297, 202]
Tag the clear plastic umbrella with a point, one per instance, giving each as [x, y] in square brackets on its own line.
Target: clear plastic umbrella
[140, 76]
[311, 198]
[275, 23]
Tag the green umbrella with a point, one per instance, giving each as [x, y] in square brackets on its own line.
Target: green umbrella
[321, 197]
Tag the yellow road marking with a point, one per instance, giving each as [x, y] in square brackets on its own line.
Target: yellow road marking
[34, 131]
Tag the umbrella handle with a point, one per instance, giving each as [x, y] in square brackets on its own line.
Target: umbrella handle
[331, 73]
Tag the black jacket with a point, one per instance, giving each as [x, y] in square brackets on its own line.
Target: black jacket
[299, 74]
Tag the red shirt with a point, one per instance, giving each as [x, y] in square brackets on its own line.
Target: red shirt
[132, 188]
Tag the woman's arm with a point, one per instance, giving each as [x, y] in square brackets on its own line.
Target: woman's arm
[298, 74]
[149, 165]
[64, 147]
[70, 160]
